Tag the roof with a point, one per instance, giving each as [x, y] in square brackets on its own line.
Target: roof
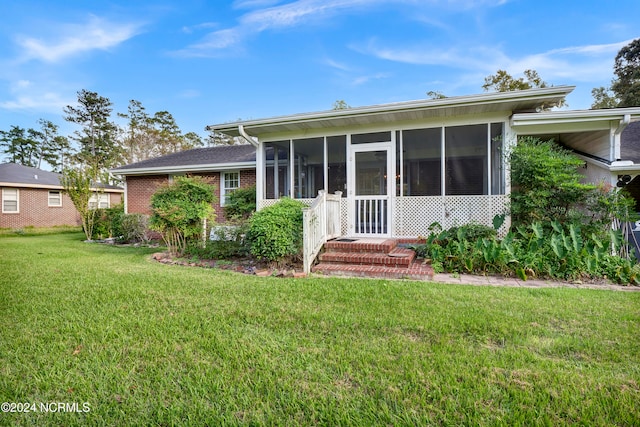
[12, 173]
[222, 157]
[15, 175]
[524, 100]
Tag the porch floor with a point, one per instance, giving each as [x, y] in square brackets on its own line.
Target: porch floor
[371, 257]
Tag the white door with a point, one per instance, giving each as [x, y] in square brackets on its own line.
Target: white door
[371, 189]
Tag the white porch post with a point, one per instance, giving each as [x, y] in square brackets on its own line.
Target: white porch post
[259, 174]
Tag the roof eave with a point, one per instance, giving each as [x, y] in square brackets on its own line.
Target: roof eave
[184, 168]
[560, 117]
[545, 94]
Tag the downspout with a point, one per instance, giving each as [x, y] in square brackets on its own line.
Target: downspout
[246, 136]
[616, 137]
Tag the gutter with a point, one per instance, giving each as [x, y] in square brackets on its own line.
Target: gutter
[246, 136]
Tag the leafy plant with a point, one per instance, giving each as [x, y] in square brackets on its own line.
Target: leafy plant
[275, 232]
[179, 210]
[108, 222]
[134, 228]
[240, 204]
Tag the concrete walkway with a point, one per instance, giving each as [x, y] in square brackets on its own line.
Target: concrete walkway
[468, 279]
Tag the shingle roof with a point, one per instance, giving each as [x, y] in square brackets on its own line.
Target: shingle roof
[218, 155]
[630, 142]
[26, 176]
[19, 174]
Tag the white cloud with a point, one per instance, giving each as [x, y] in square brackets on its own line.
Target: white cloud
[365, 79]
[335, 64]
[51, 102]
[265, 18]
[203, 26]
[73, 39]
[579, 63]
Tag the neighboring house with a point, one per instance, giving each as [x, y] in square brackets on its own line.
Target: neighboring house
[403, 166]
[227, 167]
[35, 197]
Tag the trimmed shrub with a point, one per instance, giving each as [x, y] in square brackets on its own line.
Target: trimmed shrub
[275, 232]
[108, 222]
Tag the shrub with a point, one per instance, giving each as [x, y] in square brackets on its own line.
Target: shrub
[275, 232]
[179, 211]
[108, 222]
[545, 183]
[134, 228]
[240, 204]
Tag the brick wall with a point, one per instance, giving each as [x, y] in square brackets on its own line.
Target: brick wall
[139, 192]
[141, 188]
[36, 212]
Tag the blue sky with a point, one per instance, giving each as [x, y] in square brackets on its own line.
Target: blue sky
[211, 62]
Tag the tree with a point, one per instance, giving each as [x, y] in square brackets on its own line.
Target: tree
[78, 184]
[502, 81]
[603, 98]
[626, 86]
[20, 146]
[52, 148]
[433, 94]
[341, 104]
[151, 136]
[99, 145]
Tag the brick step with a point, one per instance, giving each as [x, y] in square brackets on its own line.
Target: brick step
[398, 257]
[361, 245]
[416, 271]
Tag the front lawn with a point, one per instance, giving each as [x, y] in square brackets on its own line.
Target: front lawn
[129, 341]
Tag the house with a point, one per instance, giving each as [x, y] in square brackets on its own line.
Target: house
[401, 167]
[227, 167]
[398, 168]
[35, 197]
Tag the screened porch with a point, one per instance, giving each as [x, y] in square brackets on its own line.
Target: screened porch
[394, 182]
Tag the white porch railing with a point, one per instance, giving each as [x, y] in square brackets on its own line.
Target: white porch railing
[372, 215]
[320, 222]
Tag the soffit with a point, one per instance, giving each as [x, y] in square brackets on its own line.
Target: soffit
[361, 117]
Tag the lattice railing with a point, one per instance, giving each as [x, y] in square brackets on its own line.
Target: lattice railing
[414, 214]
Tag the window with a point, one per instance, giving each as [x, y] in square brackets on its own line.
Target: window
[10, 200]
[99, 201]
[55, 198]
[230, 182]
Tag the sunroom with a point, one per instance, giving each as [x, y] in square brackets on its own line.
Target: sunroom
[393, 170]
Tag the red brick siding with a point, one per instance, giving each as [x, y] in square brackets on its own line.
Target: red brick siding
[139, 192]
[141, 188]
[34, 211]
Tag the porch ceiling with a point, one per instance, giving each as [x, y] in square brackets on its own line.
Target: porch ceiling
[526, 100]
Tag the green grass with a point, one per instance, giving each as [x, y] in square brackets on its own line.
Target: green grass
[150, 344]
